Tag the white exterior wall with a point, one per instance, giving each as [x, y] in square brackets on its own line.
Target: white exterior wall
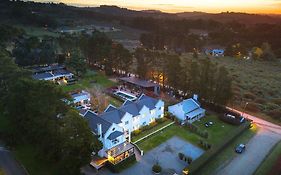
[177, 111]
[159, 109]
[108, 144]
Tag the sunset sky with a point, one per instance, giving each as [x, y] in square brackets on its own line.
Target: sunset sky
[250, 6]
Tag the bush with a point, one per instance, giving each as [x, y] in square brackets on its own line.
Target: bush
[156, 168]
[189, 160]
[136, 132]
[277, 101]
[161, 120]
[204, 145]
[181, 155]
[233, 121]
[253, 107]
[249, 96]
[276, 114]
[122, 165]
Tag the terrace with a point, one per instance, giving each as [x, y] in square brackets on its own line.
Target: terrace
[120, 152]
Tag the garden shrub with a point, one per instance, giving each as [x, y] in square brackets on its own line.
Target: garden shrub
[277, 101]
[156, 168]
[253, 107]
[249, 96]
[260, 100]
[136, 132]
[276, 114]
[181, 155]
[189, 160]
[161, 120]
[233, 121]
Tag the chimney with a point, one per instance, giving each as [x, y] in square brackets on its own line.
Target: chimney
[99, 130]
[195, 97]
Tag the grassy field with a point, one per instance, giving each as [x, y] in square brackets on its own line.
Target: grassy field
[26, 154]
[37, 31]
[270, 160]
[227, 154]
[144, 133]
[256, 82]
[216, 133]
[97, 78]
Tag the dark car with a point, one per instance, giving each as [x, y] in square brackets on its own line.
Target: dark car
[240, 148]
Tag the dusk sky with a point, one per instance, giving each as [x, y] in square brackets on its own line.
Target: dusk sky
[250, 6]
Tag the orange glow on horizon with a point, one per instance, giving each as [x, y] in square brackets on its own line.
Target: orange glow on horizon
[172, 6]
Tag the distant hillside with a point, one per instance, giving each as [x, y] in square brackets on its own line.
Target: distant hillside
[226, 17]
[124, 12]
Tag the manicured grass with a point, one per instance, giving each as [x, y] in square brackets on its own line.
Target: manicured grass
[228, 153]
[216, 133]
[269, 161]
[166, 134]
[146, 132]
[85, 82]
[26, 154]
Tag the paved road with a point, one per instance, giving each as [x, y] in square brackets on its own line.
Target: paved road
[9, 164]
[256, 149]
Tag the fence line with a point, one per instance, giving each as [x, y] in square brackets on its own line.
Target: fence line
[154, 132]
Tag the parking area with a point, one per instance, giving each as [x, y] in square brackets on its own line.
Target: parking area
[166, 155]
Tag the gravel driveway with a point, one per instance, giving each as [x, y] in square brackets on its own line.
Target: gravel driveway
[256, 150]
[167, 156]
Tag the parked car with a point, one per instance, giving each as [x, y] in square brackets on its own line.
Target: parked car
[210, 123]
[240, 148]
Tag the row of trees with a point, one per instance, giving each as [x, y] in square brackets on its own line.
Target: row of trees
[202, 76]
[37, 116]
[98, 49]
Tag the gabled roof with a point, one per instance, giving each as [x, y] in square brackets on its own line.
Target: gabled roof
[93, 119]
[113, 116]
[41, 76]
[114, 135]
[110, 107]
[189, 105]
[138, 82]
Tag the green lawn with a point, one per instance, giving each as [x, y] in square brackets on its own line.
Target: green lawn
[85, 82]
[115, 102]
[216, 133]
[270, 160]
[227, 154]
[26, 154]
[144, 133]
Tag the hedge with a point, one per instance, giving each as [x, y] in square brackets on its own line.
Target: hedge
[201, 161]
[122, 165]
